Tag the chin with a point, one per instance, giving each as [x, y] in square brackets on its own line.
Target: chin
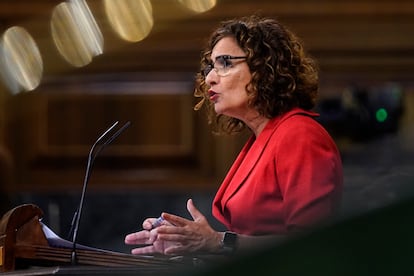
[218, 109]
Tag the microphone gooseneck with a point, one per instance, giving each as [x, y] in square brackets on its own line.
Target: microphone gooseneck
[91, 159]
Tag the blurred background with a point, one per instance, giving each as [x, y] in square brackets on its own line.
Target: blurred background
[70, 69]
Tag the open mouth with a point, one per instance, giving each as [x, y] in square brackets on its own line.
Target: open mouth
[213, 95]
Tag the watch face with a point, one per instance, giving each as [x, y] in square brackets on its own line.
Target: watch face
[230, 239]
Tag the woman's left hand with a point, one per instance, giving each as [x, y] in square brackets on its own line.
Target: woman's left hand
[147, 239]
[188, 236]
[182, 236]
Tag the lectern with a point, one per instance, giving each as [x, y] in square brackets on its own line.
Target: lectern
[24, 246]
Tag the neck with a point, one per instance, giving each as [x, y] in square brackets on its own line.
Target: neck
[257, 124]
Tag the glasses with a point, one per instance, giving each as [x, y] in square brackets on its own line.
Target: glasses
[222, 65]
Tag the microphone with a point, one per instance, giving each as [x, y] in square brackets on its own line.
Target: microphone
[91, 159]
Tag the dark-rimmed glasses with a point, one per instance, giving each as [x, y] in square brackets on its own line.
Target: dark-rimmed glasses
[221, 65]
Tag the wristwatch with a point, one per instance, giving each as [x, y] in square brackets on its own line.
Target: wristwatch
[229, 242]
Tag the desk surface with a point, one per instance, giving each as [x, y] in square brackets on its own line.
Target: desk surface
[92, 270]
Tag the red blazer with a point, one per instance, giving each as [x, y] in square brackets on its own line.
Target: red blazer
[287, 179]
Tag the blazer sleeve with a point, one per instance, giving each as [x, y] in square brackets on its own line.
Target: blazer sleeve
[309, 170]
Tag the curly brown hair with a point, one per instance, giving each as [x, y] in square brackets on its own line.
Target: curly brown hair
[283, 75]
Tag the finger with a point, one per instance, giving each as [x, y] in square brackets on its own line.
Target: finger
[147, 224]
[137, 237]
[194, 212]
[175, 220]
[174, 250]
[143, 250]
[173, 237]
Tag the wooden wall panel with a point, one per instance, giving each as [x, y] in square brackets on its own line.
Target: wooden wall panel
[160, 124]
[53, 130]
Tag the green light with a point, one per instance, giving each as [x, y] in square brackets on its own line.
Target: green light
[381, 115]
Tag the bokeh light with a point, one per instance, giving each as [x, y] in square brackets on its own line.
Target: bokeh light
[21, 63]
[199, 6]
[381, 115]
[76, 33]
[132, 20]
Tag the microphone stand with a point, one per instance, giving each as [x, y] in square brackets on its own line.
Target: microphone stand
[91, 159]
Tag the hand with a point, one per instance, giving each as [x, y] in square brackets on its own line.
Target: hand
[183, 236]
[176, 235]
[147, 238]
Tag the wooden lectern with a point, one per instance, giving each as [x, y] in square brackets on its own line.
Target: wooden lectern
[24, 245]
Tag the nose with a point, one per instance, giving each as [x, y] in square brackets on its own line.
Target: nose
[211, 77]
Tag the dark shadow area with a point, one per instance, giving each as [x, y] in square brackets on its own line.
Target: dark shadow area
[377, 243]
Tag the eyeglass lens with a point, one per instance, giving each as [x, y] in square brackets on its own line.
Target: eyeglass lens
[221, 65]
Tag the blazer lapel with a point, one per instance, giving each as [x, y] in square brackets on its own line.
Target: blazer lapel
[246, 161]
[250, 155]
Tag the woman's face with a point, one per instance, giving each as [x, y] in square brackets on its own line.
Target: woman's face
[228, 91]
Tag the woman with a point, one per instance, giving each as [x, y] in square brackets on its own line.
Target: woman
[288, 177]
